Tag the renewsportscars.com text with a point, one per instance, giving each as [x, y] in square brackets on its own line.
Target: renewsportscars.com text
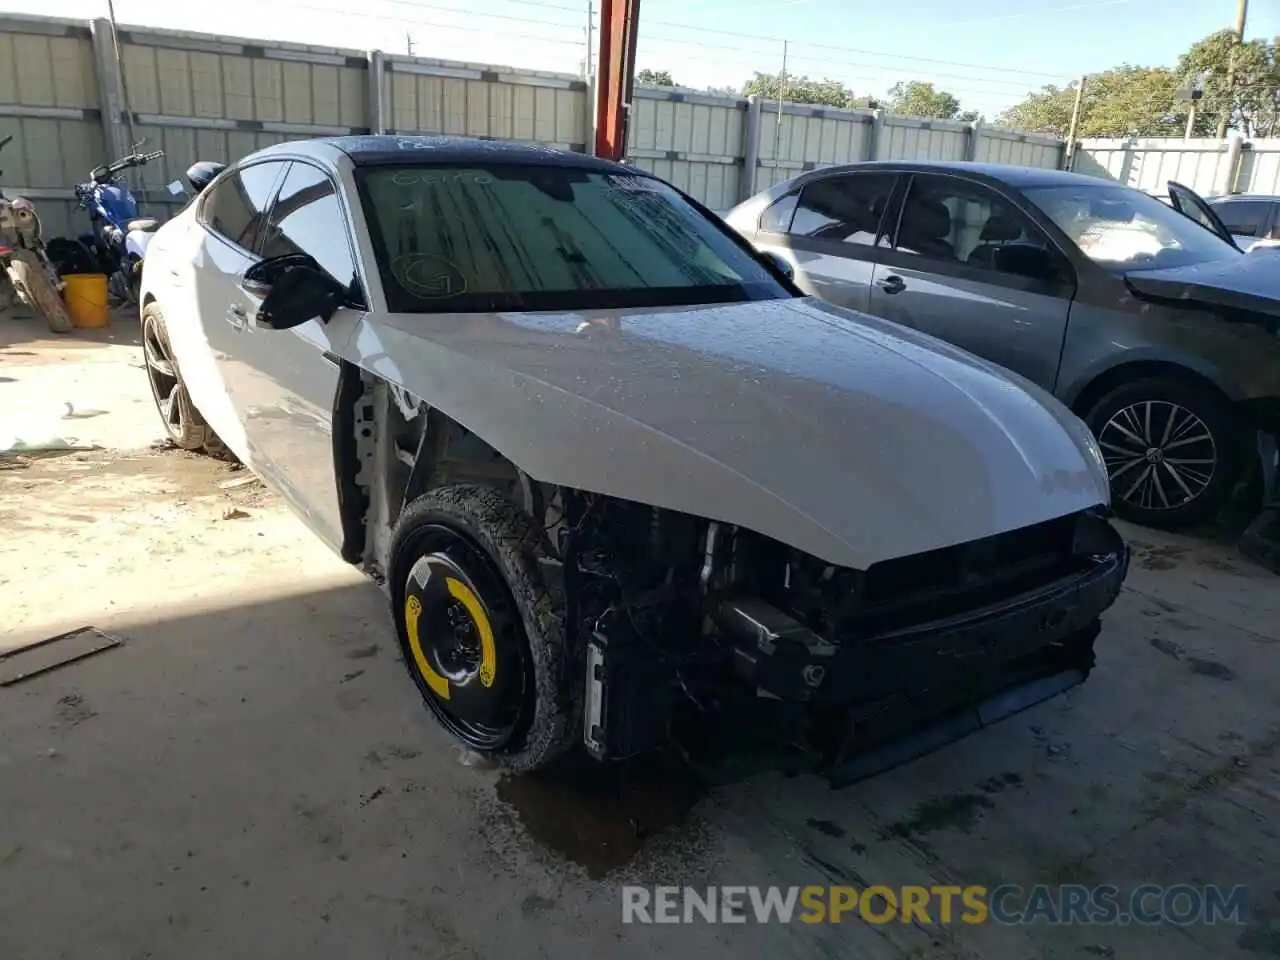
[1180, 904]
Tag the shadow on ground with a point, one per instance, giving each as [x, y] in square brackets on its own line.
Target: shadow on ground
[258, 777]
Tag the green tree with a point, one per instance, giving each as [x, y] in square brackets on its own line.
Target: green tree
[918, 99]
[655, 78]
[1248, 95]
[832, 93]
[1121, 102]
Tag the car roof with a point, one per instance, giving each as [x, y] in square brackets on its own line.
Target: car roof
[387, 150]
[1010, 174]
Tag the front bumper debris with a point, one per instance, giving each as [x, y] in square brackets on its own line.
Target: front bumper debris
[889, 698]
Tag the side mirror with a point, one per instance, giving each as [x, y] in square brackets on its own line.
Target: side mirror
[294, 292]
[781, 264]
[201, 173]
[1026, 260]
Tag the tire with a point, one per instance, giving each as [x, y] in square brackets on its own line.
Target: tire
[30, 279]
[1178, 467]
[474, 535]
[184, 425]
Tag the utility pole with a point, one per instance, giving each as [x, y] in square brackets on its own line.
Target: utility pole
[1191, 121]
[1242, 14]
[408, 43]
[589, 67]
[1075, 123]
[124, 87]
[782, 93]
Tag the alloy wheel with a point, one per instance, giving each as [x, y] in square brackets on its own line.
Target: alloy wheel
[162, 373]
[1159, 454]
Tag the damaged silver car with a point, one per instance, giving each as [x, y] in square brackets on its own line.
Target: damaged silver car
[622, 481]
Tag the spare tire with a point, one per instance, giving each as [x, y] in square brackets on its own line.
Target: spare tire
[479, 628]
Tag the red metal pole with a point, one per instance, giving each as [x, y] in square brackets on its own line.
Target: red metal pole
[616, 72]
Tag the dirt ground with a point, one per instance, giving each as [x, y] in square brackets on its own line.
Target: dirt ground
[251, 774]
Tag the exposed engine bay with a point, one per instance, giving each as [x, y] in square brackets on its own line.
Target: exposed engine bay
[682, 625]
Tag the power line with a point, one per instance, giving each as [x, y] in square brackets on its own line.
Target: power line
[491, 16]
[291, 4]
[844, 49]
[768, 39]
[828, 62]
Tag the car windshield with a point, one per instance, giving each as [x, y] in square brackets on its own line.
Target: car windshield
[1124, 229]
[508, 237]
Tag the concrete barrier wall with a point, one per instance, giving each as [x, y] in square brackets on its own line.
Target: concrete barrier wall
[63, 94]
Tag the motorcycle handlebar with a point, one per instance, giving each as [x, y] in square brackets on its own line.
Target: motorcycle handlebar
[132, 160]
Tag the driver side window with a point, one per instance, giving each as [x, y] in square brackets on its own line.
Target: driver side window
[960, 222]
[307, 218]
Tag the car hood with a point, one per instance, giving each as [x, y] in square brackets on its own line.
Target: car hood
[850, 438]
[1250, 282]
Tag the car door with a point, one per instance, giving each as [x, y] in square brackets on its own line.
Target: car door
[229, 217]
[967, 266]
[1189, 203]
[830, 231]
[1247, 219]
[287, 379]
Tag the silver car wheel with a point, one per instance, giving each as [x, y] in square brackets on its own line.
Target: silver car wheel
[1159, 455]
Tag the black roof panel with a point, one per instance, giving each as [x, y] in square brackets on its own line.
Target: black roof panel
[389, 149]
[1005, 173]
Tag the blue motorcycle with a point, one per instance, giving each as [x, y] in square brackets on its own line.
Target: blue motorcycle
[118, 242]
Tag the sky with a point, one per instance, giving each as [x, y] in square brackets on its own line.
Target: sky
[989, 53]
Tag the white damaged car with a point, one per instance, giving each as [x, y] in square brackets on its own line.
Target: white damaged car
[623, 482]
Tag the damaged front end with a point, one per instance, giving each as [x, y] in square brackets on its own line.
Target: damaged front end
[862, 670]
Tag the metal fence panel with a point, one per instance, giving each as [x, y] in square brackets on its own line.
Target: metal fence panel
[1259, 168]
[49, 105]
[693, 140]
[1019, 149]
[474, 100]
[1148, 165]
[907, 138]
[805, 137]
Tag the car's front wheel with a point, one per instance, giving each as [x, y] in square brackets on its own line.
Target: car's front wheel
[478, 628]
[1171, 449]
[183, 423]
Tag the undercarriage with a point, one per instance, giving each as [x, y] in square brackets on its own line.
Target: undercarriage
[671, 629]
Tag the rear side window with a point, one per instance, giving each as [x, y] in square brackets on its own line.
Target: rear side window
[533, 237]
[849, 208]
[1243, 218]
[307, 218]
[236, 207]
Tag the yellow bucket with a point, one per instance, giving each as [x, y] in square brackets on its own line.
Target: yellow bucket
[86, 297]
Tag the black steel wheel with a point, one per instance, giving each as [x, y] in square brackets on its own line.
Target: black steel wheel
[478, 629]
[1171, 450]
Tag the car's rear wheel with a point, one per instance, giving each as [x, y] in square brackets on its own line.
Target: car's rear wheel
[1172, 450]
[183, 424]
[478, 628]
